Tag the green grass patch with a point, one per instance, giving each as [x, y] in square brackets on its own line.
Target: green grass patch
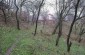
[34, 45]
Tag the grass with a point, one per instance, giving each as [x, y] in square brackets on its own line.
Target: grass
[34, 45]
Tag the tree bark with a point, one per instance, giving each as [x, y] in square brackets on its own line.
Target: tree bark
[37, 21]
[71, 27]
[54, 31]
[38, 17]
[5, 19]
[18, 27]
[33, 18]
[60, 29]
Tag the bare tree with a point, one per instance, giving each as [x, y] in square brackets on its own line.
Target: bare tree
[22, 3]
[17, 8]
[32, 8]
[69, 43]
[82, 32]
[44, 15]
[65, 7]
[3, 7]
[62, 13]
[80, 29]
[39, 9]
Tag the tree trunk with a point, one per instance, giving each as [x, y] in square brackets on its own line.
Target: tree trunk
[79, 39]
[54, 31]
[38, 17]
[18, 27]
[72, 24]
[33, 18]
[60, 29]
[5, 19]
[37, 22]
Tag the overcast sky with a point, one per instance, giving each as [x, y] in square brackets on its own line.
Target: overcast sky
[50, 5]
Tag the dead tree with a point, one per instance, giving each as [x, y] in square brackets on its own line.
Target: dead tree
[22, 2]
[64, 8]
[54, 31]
[39, 9]
[60, 29]
[3, 8]
[16, 13]
[81, 30]
[69, 43]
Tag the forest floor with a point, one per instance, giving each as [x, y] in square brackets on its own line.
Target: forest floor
[22, 42]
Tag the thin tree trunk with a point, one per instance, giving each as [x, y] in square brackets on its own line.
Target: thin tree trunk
[75, 28]
[33, 18]
[37, 22]
[60, 29]
[54, 31]
[72, 24]
[18, 27]
[38, 17]
[5, 19]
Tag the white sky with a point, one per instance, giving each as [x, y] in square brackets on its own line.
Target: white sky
[50, 5]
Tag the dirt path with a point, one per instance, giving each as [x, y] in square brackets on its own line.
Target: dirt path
[10, 49]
